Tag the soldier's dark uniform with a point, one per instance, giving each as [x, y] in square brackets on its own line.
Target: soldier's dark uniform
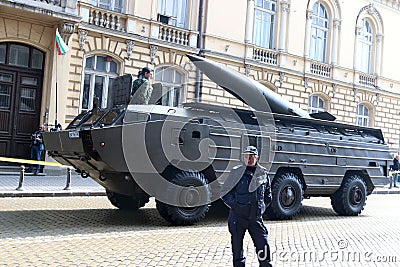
[247, 205]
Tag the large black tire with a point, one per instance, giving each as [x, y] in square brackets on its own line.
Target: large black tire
[287, 195]
[350, 198]
[185, 215]
[126, 202]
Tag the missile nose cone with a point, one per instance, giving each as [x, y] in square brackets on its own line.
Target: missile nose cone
[194, 58]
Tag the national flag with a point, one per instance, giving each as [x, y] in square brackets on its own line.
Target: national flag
[62, 47]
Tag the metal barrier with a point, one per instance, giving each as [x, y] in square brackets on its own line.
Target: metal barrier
[46, 163]
[22, 178]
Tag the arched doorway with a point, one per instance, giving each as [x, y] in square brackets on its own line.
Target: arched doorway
[21, 75]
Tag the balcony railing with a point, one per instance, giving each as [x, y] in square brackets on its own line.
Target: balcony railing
[321, 69]
[368, 80]
[266, 56]
[50, 2]
[54, 8]
[107, 19]
[173, 35]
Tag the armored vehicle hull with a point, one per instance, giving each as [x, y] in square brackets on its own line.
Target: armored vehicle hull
[141, 151]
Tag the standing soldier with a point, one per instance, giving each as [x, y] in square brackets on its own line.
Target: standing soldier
[247, 205]
[142, 89]
[396, 168]
[37, 148]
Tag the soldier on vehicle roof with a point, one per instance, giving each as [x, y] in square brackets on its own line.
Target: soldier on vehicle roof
[142, 89]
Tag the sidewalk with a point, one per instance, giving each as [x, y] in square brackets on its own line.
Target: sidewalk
[48, 186]
[52, 186]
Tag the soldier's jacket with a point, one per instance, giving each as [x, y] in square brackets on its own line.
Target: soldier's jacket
[141, 91]
[238, 200]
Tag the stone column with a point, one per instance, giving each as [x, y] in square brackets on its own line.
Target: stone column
[308, 33]
[336, 27]
[249, 29]
[249, 22]
[282, 30]
[357, 49]
[378, 54]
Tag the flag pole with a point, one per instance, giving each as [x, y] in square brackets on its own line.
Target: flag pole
[61, 48]
[55, 122]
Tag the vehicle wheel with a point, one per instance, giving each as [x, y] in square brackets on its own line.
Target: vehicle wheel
[126, 202]
[186, 215]
[287, 194]
[350, 198]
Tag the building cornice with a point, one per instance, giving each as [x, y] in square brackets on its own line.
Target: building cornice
[35, 7]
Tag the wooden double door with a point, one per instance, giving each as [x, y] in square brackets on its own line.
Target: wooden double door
[20, 103]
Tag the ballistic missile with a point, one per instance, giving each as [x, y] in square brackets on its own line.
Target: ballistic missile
[249, 91]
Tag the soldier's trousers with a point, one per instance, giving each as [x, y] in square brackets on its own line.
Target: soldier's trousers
[259, 234]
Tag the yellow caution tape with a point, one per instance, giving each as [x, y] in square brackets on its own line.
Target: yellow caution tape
[29, 161]
[391, 172]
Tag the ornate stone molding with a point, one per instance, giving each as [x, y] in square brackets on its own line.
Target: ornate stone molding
[379, 37]
[306, 79]
[284, 7]
[247, 69]
[66, 30]
[82, 38]
[371, 9]
[309, 13]
[334, 89]
[355, 91]
[358, 30]
[153, 53]
[281, 78]
[377, 99]
[337, 23]
[129, 48]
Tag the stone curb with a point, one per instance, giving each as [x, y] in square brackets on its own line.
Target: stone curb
[98, 193]
[386, 191]
[51, 194]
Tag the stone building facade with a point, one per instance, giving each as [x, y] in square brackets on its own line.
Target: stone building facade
[324, 55]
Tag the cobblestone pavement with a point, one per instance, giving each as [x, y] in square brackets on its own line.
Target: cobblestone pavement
[88, 231]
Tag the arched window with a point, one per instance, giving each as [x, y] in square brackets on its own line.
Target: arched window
[362, 118]
[315, 104]
[366, 41]
[264, 23]
[172, 83]
[319, 33]
[172, 12]
[19, 55]
[99, 74]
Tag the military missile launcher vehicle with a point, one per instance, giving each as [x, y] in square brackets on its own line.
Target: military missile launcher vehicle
[182, 155]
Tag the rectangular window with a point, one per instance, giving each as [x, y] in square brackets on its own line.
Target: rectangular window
[176, 97]
[106, 4]
[89, 63]
[98, 90]
[366, 52]
[5, 92]
[29, 81]
[264, 24]
[27, 99]
[86, 91]
[115, 5]
[101, 63]
[173, 12]
[37, 59]
[110, 92]
[3, 49]
[6, 78]
[19, 55]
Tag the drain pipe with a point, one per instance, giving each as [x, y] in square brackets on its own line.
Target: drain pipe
[197, 87]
